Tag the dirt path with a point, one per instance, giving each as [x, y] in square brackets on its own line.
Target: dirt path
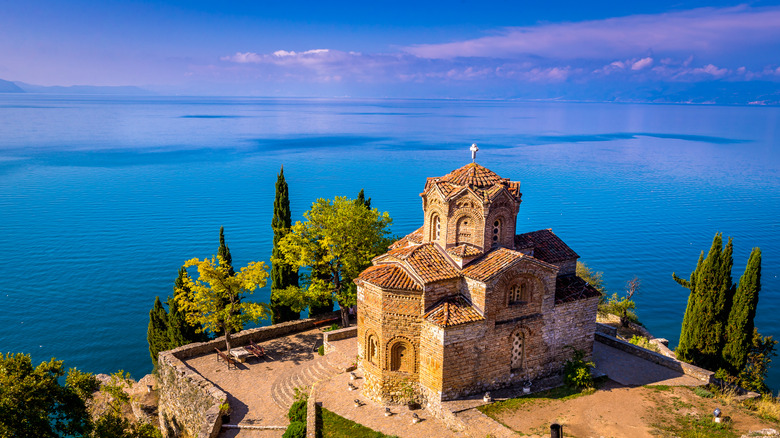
[623, 411]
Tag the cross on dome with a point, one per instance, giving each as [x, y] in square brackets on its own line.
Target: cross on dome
[473, 150]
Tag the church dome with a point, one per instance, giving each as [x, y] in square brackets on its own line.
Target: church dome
[473, 175]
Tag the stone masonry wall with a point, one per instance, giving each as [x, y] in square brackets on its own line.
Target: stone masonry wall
[575, 325]
[189, 404]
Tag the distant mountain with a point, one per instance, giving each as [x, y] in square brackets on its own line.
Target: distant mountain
[9, 87]
[79, 89]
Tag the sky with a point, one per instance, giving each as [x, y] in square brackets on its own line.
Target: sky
[681, 51]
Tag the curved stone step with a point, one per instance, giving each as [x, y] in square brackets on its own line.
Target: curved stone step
[304, 376]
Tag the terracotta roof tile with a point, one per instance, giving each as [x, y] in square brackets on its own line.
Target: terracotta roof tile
[473, 174]
[484, 182]
[572, 288]
[464, 251]
[411, 238]
[389, 276]
[491, 264]
[452, 311]
[430, 264]
[546, 246]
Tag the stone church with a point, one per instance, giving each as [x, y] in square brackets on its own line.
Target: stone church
[464, 304]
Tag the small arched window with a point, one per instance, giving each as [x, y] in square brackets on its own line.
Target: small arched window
[401, 357]
[496, 232]
[518, 293]
[436, 227]
[518, 350]
[373, 350]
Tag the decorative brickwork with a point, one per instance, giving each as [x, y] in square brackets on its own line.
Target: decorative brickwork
[463, 305]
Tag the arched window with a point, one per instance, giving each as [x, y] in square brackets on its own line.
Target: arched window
[519, 293]
[518, 350]
[435, 227]
[373, 350]
[464, 230]
[402, 357]
[496, 232]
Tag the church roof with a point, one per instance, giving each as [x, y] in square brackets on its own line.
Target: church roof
[464, 251]
[451, 311]
[572, 288]
[491, 264]
[473, 174]
[481, 180]
[546, 246]
[411, 238]
[389, 276]
[426, 261]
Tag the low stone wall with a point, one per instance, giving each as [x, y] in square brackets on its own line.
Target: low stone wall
[606, 329]
[668, 362]
[189, 404]
[311, 413]
[337, 335]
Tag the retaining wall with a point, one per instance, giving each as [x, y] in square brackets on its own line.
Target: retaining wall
[668, 362]
[189, 404]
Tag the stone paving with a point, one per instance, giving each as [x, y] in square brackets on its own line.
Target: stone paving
[336, 397]
[631, 370]
[249, 385]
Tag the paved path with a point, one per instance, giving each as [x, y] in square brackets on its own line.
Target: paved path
[335, 396]
[631, 370]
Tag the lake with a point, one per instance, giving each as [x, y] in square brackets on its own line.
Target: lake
[103, 198]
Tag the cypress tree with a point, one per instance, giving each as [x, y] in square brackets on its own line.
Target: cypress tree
[361, 199]
[224, 251]
[282, 275]
[157, 332]
[703, 334]
[180, 332]
[739, 334]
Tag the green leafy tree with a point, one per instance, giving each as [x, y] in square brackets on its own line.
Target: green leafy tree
[337, 241]
[111, 423]
[180, 331]
[624, 306]
[170, 329]
[703, 331]
[215, 300]
[753, 375]
[594, 278]
[34, 404]
[739, 333]
[282, 275]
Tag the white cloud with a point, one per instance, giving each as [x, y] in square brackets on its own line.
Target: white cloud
[642, 63]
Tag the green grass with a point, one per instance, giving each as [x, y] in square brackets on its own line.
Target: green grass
[691, 426]
[659, 388]
[562, 393]
[336, 426]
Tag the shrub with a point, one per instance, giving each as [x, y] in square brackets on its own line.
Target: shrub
[296, 429]
[576, 371]
[297, 411]
[701, 392]
[321, 350]
[641, 341]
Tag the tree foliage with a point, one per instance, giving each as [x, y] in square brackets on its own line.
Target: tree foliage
[718, 331]
[703, 331]
[282, 275]
[34, 404]
[223, 252]
[336, 242]
[739, 333]
[170, 329]
[214, 301]
[594, 278]
[624, 306]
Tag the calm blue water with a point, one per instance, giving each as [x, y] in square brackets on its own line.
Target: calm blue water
[102, 199]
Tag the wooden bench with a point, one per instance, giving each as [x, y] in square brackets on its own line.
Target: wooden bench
[325, 321]
[255, 349]
[229, 360]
